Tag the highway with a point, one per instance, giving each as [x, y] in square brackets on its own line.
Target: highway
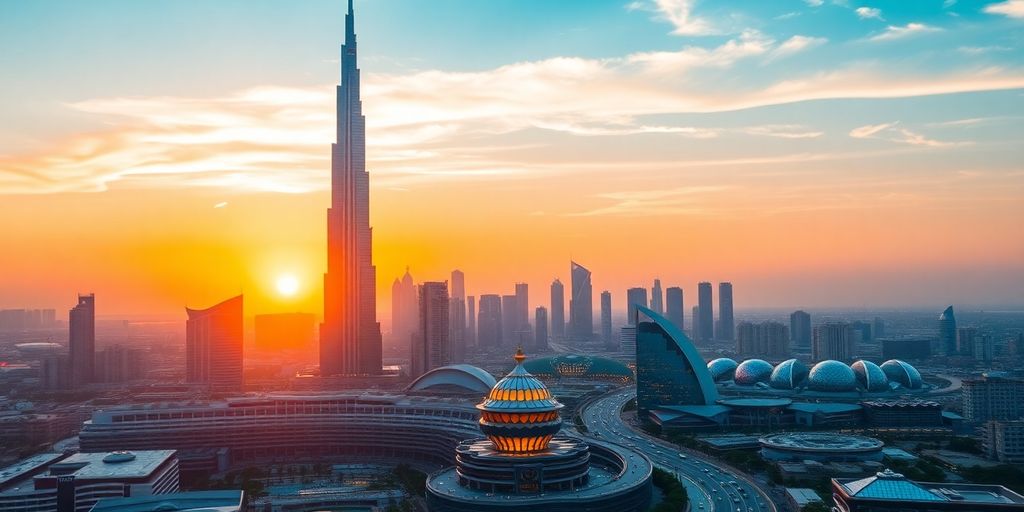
[710, 487]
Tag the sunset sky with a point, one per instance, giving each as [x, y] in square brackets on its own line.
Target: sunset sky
[816, 153]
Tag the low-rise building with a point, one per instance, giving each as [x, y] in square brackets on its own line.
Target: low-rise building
[1004, 441]
[892, 492]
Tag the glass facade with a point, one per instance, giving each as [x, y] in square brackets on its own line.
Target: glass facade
[669, 370]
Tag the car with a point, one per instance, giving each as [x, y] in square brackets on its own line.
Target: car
[682, 456]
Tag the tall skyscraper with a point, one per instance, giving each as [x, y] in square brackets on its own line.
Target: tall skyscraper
[213, 345]
[458, 288]
[350, 340]
[82, 340]
[768, 340]
[557, 310]
[489, 322]
[833, 340]
[471, 321]
[878, 327]
[606, 318]
[726, 322]
[707, 313]
[800, 329]
[695, 316]
[404, 309]
[510, 325]
[674, 306]
[523, 305]
[457, 329]
[581, 304]
[540, 321]
[634, 297]
[431, 347]
[947, 332]
[656, 301]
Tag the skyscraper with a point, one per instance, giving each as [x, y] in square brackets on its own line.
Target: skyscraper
[82, 340]
[213, 345]
[557, 310]
[431, 347]
[404, 309]
[350, 340]
[695, 316]
[833, 340]
[489, 322]
[510, 325]
[707, 313]
[726, 322]
[457, 315]
[523, 305]
[581, 304]
[471, 321]
[947, 332]
[634, 297]
[540, 321]
[606, 317]
[800, 329]
[768, 340]
[656, 301]
[674, 306]
[458, 288]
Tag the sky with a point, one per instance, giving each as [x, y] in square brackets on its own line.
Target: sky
[815, 153]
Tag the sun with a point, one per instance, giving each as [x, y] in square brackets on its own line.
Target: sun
[287, 285]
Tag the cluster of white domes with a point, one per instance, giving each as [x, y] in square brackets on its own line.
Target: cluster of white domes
[825, 376]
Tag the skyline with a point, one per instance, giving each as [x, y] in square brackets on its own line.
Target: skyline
[184, 195]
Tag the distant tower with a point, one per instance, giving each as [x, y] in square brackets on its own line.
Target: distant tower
[523, 305]
[350, 341]
[833, 340]
[471, 321]
[707, 313]
[489, 321]
[581, 305]
[674, 306]
[431, 347]
[540, 321]
[726, 322]
[947, 332]
[213, 345]
[82, 340]
[457, 329]
[800, 329]
[695, 315]
[634, 297]
[510, 325]
[606, 318]
[656, 301]
[557, 310]
[458, 290]
[404, 309]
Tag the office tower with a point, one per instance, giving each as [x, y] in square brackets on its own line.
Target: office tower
[213, 345]
[833, 340]
[862, 331]
[800, 329]
[947, 332]
[55, 372]
[509, 320]
[634, 297]
[766, 340]
[431, 347]
[82, 340]
[606, 317]
[471, 321]
[674, 306]
[906, 348]
[581, 304]
[726, 322]
[669, 370]
[984, 348]
[707, 313]
[656, 301]
[523, 306]
[458, 288]
[993, 396]
[350, 340]
[119, 363]
[404, 308]
[540, 321]
[1004, 441]
[489, 329]
[695, 315]
[965, 339]
[289, 331]
[557, 310]
[878, 327]
[457, 329]
[627, 340]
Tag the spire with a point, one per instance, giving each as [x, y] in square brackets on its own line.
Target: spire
[350, 25]
[520, 356]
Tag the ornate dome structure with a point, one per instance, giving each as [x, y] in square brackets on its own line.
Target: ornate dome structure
[788, 374]
[752, 371]
[870, 376]
[832, 376]
[903, 373]
[519, 414]
[722, 368]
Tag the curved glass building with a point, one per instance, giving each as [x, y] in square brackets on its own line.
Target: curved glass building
[870, 376]
[456, 378]
[789, 374]
[832, 376]
[902, 373]
[753, 371]
[669, 370]
[722, 369]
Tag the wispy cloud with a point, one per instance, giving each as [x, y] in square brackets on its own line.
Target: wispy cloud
[899, 32]
[797, 44]
[814, 3]
[1010, 8]
[865, 13]
[894, 133]
[785, 131]
[679, 13]
[868, 131]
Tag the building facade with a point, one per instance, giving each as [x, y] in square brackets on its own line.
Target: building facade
[581, 304]
[800, 329]
[213, 345]
[726, 322]
[606, 318]
[82, 340]
[833, 340]
[669, 370]
[557, 310]
[540, 322]
[674, 307]
[947, 332]
[657, 301]
[489, 321]
[706, 322]
[431, 346]
[993, 396]
[635, 297]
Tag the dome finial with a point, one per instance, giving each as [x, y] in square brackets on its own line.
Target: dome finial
[520, 356]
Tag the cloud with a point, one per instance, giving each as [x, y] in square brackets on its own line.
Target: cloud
[1010, 8]
[910, 29]
[797, 44]
[750, 43]
[788, 15]
[892, 133]
[868, 131]
[677, 12]
[679, 200]
[814, 3]
[865, 13]
[785, 131]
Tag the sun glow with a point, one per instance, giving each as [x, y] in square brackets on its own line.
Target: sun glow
[287, 285]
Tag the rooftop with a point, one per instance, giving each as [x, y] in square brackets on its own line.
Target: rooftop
[896, 487]
[195, 501]
[136, 464]
[25, 467]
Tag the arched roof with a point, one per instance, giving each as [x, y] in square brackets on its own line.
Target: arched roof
[463, 376]
[580, 366]
[693, 358]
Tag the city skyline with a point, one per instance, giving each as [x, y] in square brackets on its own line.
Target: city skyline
[901, 177]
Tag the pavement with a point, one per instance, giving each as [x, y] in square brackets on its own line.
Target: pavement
[710, 486]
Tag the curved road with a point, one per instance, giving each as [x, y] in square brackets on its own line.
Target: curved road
[710, 487]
